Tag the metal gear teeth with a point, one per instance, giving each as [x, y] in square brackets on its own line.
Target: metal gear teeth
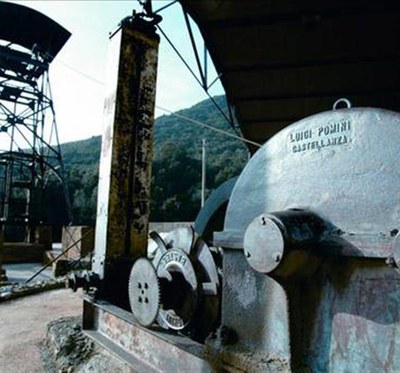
[144, 292]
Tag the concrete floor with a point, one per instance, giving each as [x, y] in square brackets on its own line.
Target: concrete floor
[20, 272]
[23, 324]
[17, 273]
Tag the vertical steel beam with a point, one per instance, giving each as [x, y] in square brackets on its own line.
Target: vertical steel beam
[125, 166]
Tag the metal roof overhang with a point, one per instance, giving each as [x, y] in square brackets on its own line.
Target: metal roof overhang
[27, 27]
[283, 60]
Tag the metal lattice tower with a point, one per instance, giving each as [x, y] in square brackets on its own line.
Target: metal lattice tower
[30, 152]
[30, 155]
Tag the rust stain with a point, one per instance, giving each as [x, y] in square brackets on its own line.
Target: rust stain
[127, 145]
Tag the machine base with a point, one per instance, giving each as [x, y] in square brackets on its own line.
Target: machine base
[143, 349]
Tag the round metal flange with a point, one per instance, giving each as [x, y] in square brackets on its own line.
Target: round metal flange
[144, 292]
[173, 263]
[263, 244]
[188, 279]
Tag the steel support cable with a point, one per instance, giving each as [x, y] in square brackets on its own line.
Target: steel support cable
[228, 120]
[208, 126]
[58, 257]
[203, 74]
[80, 72]
[238, 137]
[76, 262]
[59, 155]
[179, 55]
[194, 47]
[165, 7]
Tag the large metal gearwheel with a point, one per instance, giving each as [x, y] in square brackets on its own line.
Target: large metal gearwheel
[183, 273]
[144, 292]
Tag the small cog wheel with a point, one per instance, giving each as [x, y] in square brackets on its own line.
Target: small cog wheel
[144, 292]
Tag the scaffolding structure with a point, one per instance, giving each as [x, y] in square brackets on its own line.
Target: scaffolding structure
[30, 154]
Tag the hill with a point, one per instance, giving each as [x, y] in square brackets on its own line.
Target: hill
[176, 164]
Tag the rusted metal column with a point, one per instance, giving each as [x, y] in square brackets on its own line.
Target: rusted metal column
[125, 165]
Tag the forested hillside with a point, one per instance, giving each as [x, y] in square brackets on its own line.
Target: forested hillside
[176, 164]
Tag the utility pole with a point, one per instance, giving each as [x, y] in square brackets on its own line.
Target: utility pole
[203, 173]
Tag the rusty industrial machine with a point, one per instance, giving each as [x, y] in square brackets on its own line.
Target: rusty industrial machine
[293, 266]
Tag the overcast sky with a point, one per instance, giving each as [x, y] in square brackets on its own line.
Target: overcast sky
[78, 99]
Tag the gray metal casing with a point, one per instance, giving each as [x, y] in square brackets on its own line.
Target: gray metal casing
[352, 184]
[343, 166]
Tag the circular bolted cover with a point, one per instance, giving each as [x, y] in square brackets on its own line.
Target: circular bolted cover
[144, 292]
[263, 244]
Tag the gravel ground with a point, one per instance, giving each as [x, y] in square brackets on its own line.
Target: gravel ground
[23, 326]
[67, 350]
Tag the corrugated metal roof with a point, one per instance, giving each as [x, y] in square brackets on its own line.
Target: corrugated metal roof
[27, 27]
[283, 60]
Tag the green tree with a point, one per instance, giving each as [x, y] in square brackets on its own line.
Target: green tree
[176, 164]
